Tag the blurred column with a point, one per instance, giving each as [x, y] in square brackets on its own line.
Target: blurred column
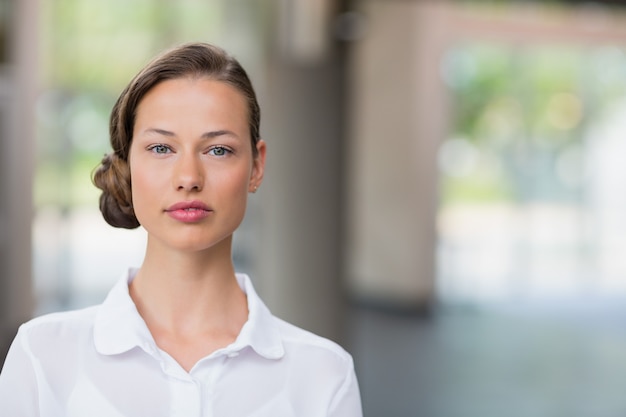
[397, 118]
[300, 200]
[18, 94]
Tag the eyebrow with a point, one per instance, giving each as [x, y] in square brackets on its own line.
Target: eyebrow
[206, 135]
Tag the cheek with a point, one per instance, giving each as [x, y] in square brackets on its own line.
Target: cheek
[140, 183]
[230, 187]
[239, 181]
[144, 196]
[223, 186]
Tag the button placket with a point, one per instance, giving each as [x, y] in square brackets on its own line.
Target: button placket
[206, 375]
[186, 398]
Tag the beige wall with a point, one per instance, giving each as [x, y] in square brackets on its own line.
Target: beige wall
[397, 122]
[17, 98]
[299, 204]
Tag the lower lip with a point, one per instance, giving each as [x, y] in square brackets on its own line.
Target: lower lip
[189, 216]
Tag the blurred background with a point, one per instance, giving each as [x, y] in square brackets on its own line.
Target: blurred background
[444, 193]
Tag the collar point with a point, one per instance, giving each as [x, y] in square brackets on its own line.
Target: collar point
[273, 353]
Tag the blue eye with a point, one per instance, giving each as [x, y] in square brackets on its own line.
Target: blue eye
[218, 151]
[159, 149]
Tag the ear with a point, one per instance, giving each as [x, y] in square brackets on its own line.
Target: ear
[258, 167]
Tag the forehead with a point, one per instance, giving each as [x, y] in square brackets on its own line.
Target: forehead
[190, 87]
[201, 97]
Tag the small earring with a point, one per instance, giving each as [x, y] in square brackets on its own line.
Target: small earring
[255, 188]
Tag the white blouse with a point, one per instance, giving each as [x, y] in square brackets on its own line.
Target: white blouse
[103, 361]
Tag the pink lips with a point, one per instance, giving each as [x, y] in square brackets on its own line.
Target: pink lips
[189, 211]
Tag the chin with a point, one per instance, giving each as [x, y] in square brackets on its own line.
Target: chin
[186, 243]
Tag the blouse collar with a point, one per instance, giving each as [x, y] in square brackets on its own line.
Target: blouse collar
[119, 328]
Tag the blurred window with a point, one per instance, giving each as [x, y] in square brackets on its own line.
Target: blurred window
[532, 174]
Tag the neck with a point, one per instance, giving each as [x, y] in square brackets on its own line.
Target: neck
[189, 293]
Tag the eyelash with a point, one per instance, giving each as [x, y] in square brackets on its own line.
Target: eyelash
[153, 148]
[221, 149]
[167, 149]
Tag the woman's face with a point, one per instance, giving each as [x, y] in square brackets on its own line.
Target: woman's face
[191, 163]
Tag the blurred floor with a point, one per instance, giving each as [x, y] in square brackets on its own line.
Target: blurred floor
[490, 363]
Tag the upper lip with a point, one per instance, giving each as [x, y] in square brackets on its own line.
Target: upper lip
[184, 205]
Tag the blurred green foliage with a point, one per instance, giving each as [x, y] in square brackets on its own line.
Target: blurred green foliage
[520, 118]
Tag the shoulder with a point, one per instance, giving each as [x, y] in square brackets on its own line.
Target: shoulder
[64, 319]
[273, 337]
[321, 367]
[45, 354]
[56, 328]
[310, 346]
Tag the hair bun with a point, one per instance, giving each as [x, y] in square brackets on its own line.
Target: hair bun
[112, 176]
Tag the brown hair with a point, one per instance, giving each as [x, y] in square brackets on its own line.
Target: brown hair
[112, 176]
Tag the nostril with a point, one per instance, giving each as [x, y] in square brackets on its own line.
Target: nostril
[189, 187]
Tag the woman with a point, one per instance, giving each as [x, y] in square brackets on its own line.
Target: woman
[183, 335]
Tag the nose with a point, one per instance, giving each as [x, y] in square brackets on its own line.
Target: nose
[189, 175]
